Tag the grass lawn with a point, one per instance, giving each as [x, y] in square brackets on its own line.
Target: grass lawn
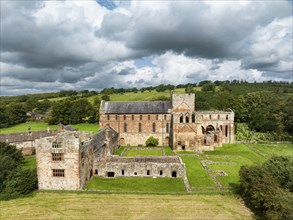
[42, 126]
[23, 127]
[91, 127]
[137, 184]
[72, 205]
[185, 152]
[168, 151]
[30, 162]
[196, 174]
[132, 153]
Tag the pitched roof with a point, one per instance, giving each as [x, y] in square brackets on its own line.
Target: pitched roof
[98, 140]
[153, 107]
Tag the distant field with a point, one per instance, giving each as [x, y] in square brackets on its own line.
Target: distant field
[71, 205]
[42, 126]
[137, 184]
[131, 153]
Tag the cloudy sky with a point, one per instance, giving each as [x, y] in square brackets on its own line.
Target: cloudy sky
[53, 45]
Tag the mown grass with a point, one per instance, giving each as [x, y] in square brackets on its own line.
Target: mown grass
[168, 151]
[23, 127]
[42, 126]
[29, 162]
[132, 153]
[196, 174]
[137, 184]
[73, 205]
[185, 152]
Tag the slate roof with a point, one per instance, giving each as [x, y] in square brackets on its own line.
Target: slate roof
[98, 140]
[153, 107]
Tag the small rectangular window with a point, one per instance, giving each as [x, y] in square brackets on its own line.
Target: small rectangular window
[167, 127]
[165, 117]
[122, 172]
[161, 172]
[157, 117]
[58, 172]
[96, 172]
[57, 156]
[148, 172]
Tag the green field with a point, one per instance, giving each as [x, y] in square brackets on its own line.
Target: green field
[42, 126]
[73, 205]
[132, 153]
[137, 184]
[196, 174]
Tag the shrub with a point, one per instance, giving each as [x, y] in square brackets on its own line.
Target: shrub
[152, 141]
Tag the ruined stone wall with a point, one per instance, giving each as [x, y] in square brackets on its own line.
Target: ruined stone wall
[140, 169]
[67, 146]
[183, 102]
[139, 127]
[86, 163]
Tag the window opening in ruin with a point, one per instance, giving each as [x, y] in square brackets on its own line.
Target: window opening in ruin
[132, 117]
[57, 156]
[149, 117]
[91, 173]
[96, 172]
[82, 155]
[110, 174]
[167, 127]
[201, 117]
[135, 173]
[165, 117]
[140, 117]
[124, 117]
[202, 130]
[193, 117]
[187, 119]
[58, 172]
[226, 131]
[125, 127]
[56, 144]
[157, 117]
[161, 172]
[210, 129]
[154, 127]
[122, 172]
[174, 174]
[215, 138]
[210, 117]
[116, 117]
[183, 147]
[179, 142]
[139, 127]
[218, 117]
[205, 141]
[227, 117]
[181, 119]
[108, 117]
[148, 172]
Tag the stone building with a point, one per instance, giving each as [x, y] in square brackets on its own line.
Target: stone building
[175, 123]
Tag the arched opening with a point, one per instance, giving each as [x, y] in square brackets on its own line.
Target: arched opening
[187, 118]
[193, 117]
[181, 119]
[174, 174]
[125, 127]
[203, 130]
[154, 127]
[139, 127]
[122, 142]
[210, 129]
[226, 131]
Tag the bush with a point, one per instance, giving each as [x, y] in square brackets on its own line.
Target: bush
[152, 141]
[267, 188]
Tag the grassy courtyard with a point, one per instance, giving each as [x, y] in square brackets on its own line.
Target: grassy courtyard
[137, 184]
[132, 153]
[74, 205]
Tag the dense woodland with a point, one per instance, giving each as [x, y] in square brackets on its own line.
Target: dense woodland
[263, 107]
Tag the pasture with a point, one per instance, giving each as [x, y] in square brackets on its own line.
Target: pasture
[76, 205]
[42, 126]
